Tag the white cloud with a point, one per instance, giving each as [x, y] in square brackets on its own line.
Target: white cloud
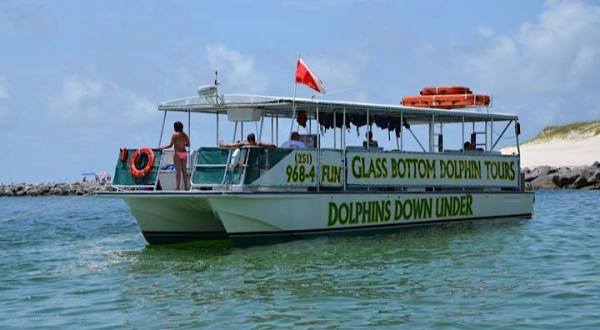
[485, 31]
[236, 70]
[560, 51]
[92, 99]
[4, 98]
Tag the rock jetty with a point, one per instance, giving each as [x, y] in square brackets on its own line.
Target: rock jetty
[564, 177]
[53, 189]
[540, 177]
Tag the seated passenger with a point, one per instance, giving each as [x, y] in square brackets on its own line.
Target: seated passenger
[369, 142]
[467, 146]
[294, 142]
[250, 141]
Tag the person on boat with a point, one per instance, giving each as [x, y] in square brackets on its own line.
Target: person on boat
[467, 146]
[294, 142]
[250, 141]
[179, 141]
[369, 142]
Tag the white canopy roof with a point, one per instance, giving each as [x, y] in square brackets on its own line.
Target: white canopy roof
[282, 107]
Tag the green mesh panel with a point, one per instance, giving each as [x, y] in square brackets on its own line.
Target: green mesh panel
[210, 156]
[123, 177]
[208, 175]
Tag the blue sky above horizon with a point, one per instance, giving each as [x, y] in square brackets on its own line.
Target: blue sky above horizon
[78, 80]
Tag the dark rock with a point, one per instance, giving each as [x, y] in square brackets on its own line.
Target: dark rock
[538, 172]
[544, 182]
[44, 189]
[579, 183]
[592, 175]
[565, 176]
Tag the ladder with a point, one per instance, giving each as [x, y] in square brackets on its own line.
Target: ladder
[476, 133]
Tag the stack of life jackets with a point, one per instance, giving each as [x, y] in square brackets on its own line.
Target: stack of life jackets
[446, 97]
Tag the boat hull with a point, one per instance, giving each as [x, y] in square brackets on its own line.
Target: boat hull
[264, 218]
[166, 219]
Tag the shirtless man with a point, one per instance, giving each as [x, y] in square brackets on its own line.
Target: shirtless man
[179, 141]
[250, 141]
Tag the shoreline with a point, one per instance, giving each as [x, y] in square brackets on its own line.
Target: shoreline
[543, 177]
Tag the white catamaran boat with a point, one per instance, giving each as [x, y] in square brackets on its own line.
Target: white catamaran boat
[255, 194]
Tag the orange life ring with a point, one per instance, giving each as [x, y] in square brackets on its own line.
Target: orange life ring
[137, 172]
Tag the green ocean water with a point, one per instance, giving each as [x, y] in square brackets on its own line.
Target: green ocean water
[81, 263]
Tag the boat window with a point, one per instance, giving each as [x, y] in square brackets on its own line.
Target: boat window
[236, 165]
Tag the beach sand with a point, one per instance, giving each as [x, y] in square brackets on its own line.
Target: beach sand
[573, 151]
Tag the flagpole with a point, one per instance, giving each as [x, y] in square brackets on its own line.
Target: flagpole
[294, 100]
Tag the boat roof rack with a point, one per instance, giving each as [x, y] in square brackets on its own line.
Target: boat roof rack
[282, 107]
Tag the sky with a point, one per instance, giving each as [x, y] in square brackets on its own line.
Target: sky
[81, 79]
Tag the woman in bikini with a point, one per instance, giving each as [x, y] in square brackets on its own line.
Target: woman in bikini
[179, 141]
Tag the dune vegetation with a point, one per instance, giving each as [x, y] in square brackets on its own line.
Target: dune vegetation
[581, 130]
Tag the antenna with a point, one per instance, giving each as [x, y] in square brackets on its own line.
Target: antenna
[217, 83]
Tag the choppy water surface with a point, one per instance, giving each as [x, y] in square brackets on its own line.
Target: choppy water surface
[68, 263]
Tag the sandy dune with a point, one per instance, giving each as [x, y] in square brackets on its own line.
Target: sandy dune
[559, 152]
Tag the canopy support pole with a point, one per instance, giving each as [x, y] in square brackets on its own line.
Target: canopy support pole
[189, 138]
[463, 133]
[260, 130]
[343, 145]
[486, 135]
[293, 108]
[401, 131]
[431, 133]
[334, 131]
[272, 130]
[368, 129]
[217, 137]
[491, 134]
[162, 129]
[517, 138]
[318, 149]
[235, 131]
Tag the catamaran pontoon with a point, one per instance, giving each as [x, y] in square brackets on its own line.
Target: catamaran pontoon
[255, 194]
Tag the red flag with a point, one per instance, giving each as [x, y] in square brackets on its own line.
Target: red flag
[306, 77]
